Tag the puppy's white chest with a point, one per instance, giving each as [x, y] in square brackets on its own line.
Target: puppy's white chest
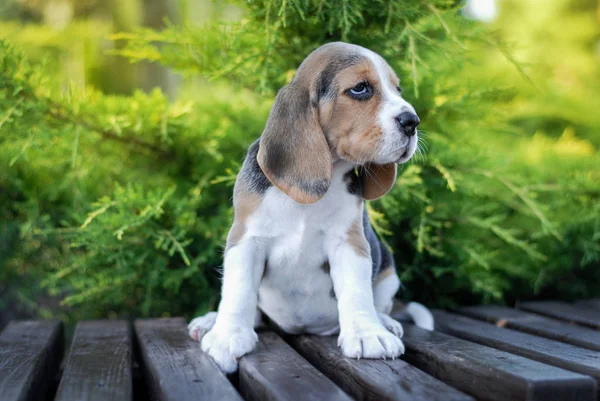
[296, 290]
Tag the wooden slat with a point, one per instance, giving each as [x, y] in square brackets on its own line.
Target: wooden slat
[174, 366]
[368, 379]
[590, 304]
[552, 352]
[564, 311]
[491, 374]
[30, 353]
[98, 366]
[274, 371]
[535, 324]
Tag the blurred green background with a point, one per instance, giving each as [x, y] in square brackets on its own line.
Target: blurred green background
[124, 122]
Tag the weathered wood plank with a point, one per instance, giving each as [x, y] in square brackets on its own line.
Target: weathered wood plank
[368, 379]
[539, 325]
[30, 353]
[564, 311]
[98, 366]
[274, 371]
[491, 374]
[174, 366]
[590, 304]
[552, 352]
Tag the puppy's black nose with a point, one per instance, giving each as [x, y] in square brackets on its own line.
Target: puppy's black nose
[408, 122]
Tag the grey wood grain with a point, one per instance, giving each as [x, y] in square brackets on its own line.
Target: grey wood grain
[539, 325]
[174, 366]
[564, 311]
[491, 374]
[368, 379]
[98, 366]
[552, 352]
[275, 372]
[30, 353]
[593, 304]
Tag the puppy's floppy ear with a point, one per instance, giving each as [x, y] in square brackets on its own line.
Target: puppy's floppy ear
[377, 179]
[293, 152]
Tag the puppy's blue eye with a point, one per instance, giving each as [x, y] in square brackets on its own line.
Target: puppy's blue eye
[360, 89]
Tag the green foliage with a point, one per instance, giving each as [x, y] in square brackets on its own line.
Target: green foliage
[263, 50]
[110, 200]
[120, 205]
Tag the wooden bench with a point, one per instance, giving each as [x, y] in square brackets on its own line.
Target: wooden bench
[541, 351]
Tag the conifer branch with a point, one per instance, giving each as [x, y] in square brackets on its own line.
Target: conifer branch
[61, 116]
[58, 114]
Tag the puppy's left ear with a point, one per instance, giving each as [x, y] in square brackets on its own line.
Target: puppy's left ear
[377, 179]
[293, 152]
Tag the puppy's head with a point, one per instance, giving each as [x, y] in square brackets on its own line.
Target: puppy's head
[343, 103]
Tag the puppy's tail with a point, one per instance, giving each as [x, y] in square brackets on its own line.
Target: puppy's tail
[420, 315]
[417, 313]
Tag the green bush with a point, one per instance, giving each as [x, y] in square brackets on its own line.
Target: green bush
[119, 205]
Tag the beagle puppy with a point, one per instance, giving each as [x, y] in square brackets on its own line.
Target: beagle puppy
[301, 249]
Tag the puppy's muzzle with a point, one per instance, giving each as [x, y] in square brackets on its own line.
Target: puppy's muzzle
[407, 123]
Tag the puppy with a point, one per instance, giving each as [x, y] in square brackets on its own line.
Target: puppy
[301, 249]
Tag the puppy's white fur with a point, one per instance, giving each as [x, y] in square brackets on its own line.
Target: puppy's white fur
[393, 104]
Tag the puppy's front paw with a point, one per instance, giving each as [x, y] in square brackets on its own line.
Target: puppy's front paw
[228, 345]
[391, 324]
[202, 325]
[373, 343]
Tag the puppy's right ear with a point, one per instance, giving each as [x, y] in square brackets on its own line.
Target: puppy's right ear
[377, 179]
[293, 152]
